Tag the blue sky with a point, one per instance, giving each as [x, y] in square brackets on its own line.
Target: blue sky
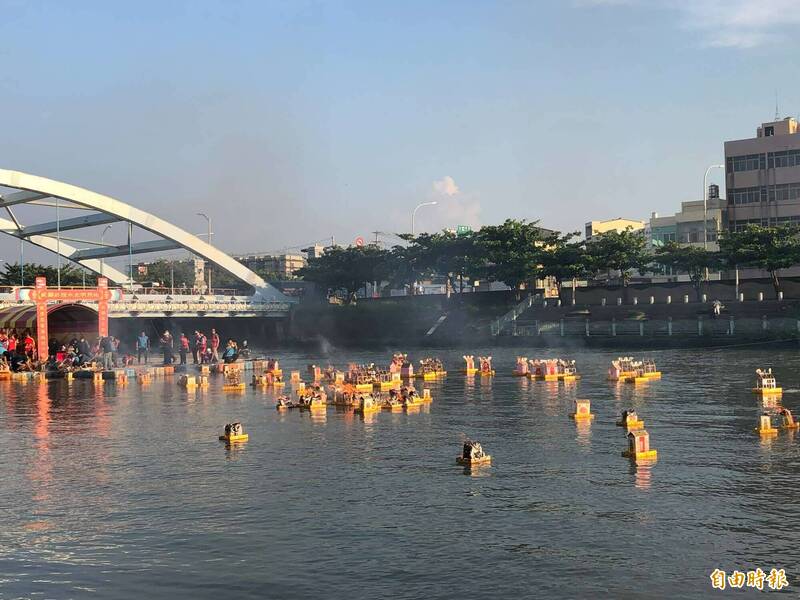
[290, 122]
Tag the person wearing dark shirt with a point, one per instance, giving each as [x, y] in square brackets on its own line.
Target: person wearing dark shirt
[167, 347]
[19, 361]
[107, 348]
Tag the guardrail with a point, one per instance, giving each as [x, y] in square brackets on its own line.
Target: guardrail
[204, 307]
[498, 325]
[700, 326]
[177, 307]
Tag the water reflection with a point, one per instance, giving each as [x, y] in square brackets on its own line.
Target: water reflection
[583, 429]
[643, 473]
[41, 474]
[770, 401]
[477, 471]
[318, 417]
[118, 488]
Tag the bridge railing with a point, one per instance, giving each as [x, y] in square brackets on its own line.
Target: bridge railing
[197, 307]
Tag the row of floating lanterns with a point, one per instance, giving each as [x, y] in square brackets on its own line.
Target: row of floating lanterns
[625, 369]
[638, 450]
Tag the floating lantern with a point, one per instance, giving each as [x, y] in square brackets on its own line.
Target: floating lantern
[765, 425]
[582, 411]
[639, 446]
[473, 455]
[766, 384]
[469, 368]
[234, 433]
[630, 419]
[788, 420]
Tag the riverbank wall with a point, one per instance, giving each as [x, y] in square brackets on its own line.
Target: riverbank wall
[664, 315]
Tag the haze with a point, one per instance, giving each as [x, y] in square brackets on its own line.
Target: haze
[291, 122]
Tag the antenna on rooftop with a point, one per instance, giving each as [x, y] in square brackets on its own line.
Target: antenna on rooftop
[777, 112]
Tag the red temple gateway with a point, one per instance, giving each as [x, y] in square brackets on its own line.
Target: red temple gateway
[64, 310]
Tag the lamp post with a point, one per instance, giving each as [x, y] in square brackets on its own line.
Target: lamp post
[705, 209]
[414, 212]
[208, 239]
[102, 236]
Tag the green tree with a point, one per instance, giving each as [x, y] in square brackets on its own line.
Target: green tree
[406, 265]
[690, 259]
[347, 269]
[621, 251]
[455, 257]
[513, 252]
[563, 257]
[70, 275]
[768, 248]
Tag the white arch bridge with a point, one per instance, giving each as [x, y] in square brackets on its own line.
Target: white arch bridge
[94, 210]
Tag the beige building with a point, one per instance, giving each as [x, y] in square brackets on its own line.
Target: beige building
[763, 176]
[686, 227]
[619, 224]
[283, 266]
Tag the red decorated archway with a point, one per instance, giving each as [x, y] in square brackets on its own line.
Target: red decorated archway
[41, 295]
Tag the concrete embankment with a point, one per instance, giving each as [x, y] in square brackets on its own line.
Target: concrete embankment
[468, 318]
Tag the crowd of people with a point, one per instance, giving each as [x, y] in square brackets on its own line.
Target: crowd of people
[205, 350]
[18, 351]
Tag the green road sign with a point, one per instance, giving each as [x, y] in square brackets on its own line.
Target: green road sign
[463, 230]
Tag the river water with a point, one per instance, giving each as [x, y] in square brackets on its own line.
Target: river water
[125, 492]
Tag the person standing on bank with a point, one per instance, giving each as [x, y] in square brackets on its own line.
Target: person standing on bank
[142, 348]
[183, 350]
[196, 348]
[214, 346]
[166, 346]
[107, 350]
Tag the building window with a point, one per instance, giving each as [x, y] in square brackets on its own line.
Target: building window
[748, 162]
[786, 158]
[748, 195]
[785, 192]
[769, 131]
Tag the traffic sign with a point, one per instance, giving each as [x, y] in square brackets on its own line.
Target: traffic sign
[359, 241]
[463, 230]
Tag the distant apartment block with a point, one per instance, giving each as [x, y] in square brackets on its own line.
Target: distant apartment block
[282, 266]
[763, 176]
[686, 226]
[314, 251]
[619, 224]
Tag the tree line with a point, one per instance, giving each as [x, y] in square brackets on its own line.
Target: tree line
[518, 253]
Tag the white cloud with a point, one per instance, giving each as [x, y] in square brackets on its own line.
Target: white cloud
[725, 23]
[446, 186]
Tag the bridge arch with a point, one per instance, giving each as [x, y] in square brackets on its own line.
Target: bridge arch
[65, 320]
[36, 190]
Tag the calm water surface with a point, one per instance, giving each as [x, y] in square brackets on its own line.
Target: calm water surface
[125, 492]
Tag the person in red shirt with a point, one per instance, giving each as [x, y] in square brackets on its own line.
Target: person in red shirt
[12, 342]
[183, 349]
[203, 347]
[29, 344]
[214, 346]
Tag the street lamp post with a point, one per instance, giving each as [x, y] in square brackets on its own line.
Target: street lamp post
[705, 203]
[208, 239]
[102, 236]
[705, 209]
[414, 212]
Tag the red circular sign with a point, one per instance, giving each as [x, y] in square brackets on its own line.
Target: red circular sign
[359, 241]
